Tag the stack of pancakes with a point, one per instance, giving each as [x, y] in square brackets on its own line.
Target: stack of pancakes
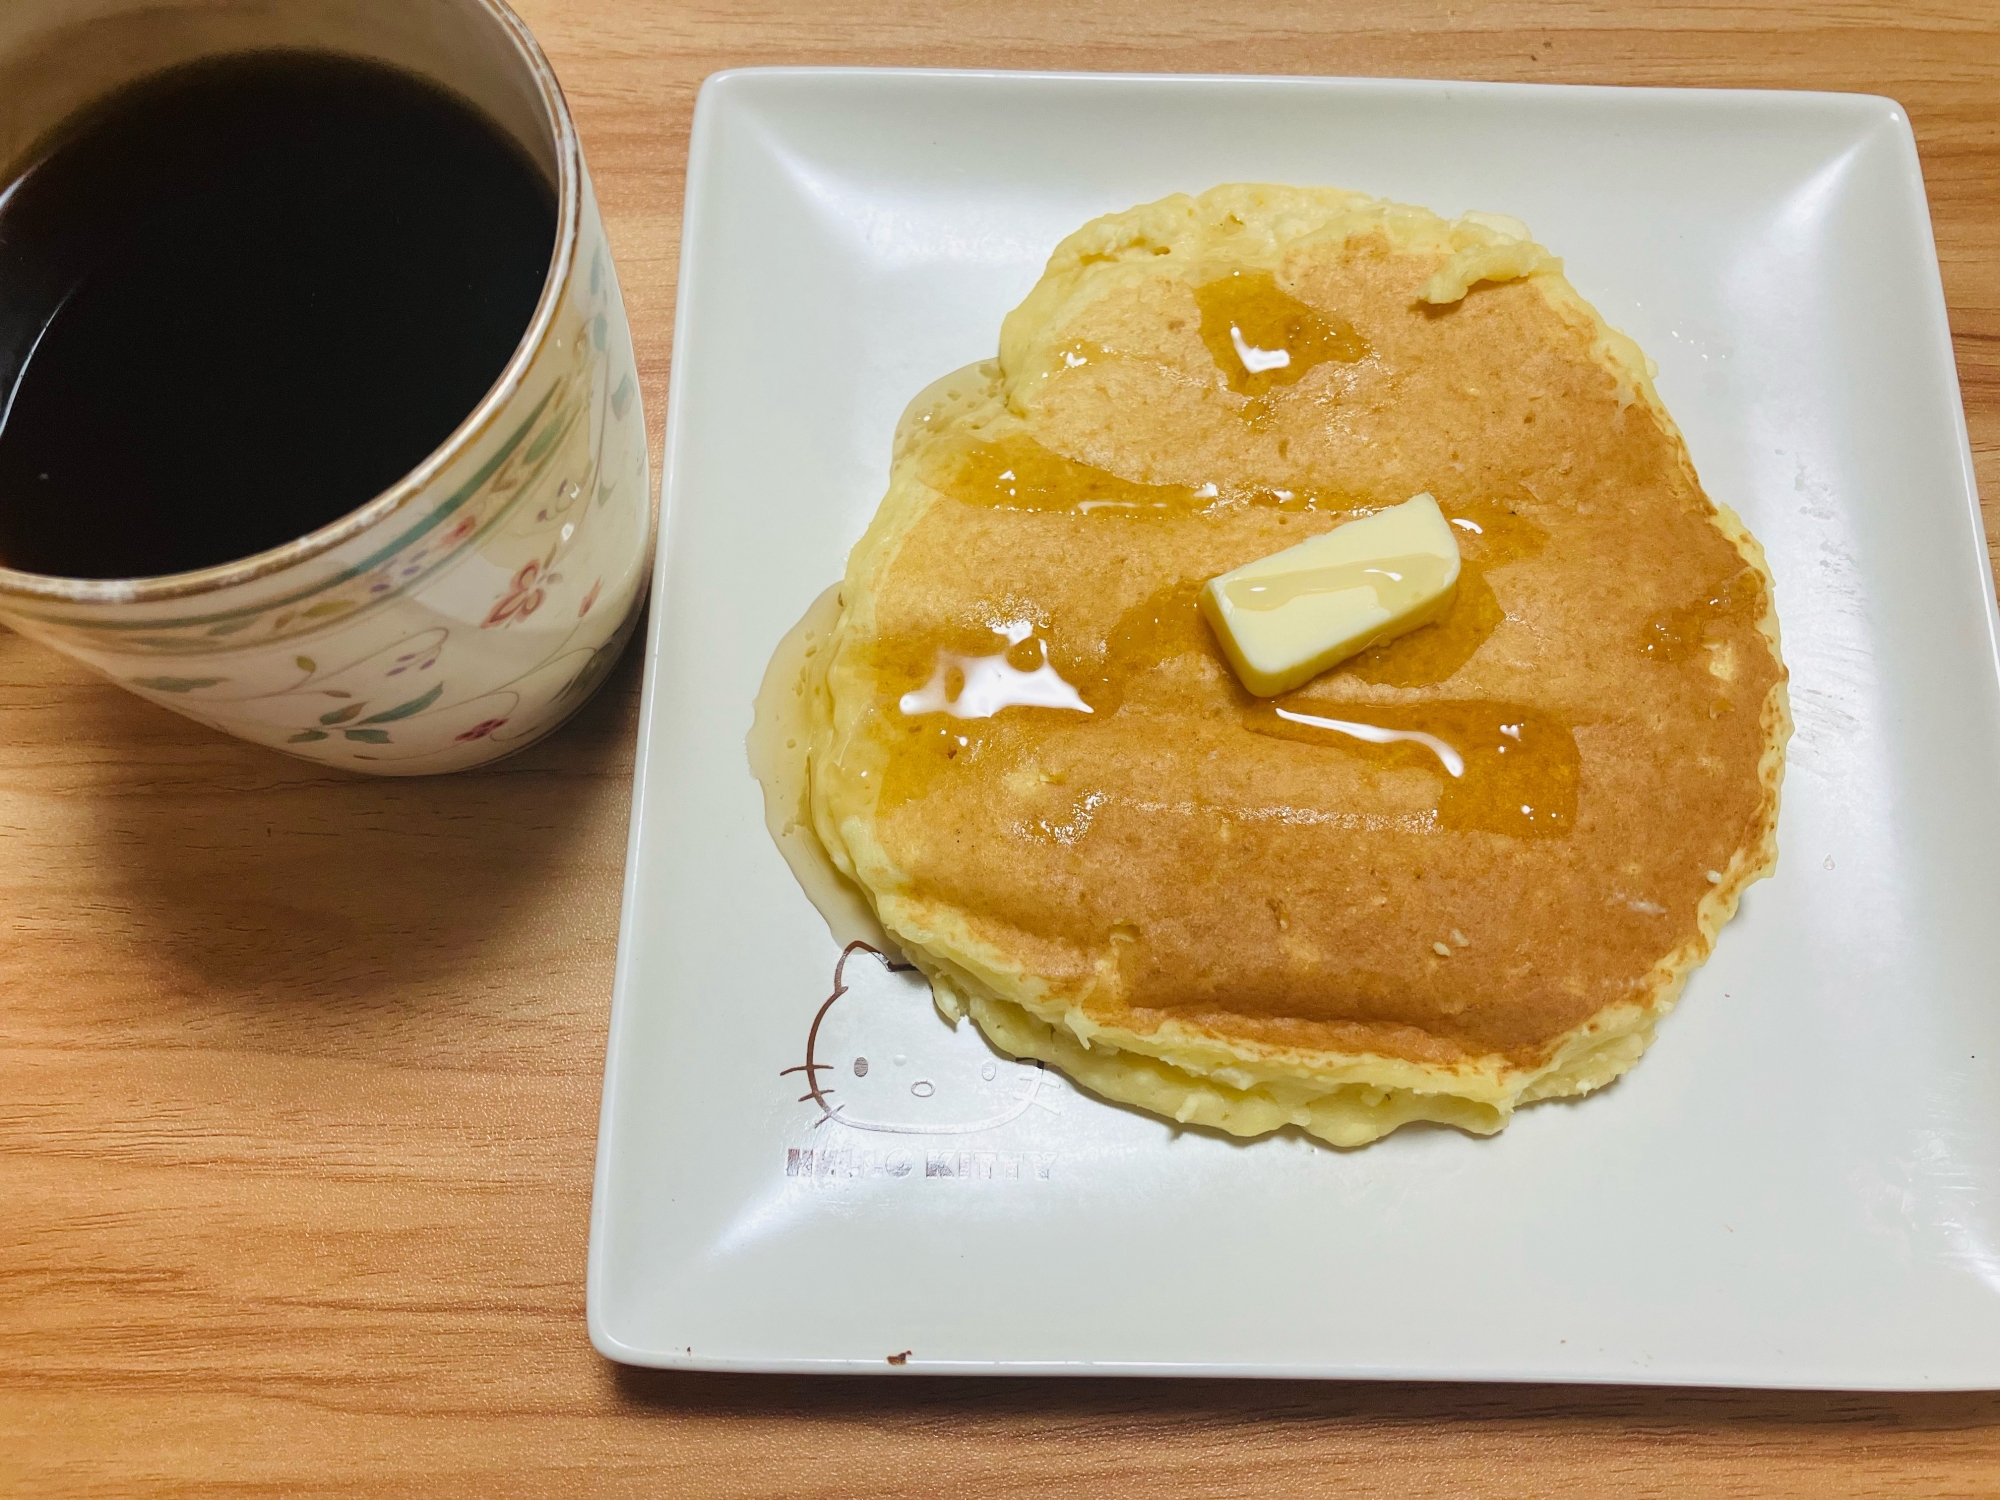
[1029, 753]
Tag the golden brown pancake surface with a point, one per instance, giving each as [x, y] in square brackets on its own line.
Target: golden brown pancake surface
[1030, 754]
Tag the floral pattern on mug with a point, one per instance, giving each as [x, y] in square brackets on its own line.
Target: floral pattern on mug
[524, 596]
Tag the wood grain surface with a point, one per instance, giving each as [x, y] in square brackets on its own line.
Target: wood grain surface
[299, 1073]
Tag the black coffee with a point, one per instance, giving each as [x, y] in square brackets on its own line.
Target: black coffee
[239, 299]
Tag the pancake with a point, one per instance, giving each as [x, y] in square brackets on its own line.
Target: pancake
[1029, 755]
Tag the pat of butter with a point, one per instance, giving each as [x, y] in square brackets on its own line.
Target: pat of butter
[1286, 618]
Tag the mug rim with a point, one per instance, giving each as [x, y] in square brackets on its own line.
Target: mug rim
[58, 589]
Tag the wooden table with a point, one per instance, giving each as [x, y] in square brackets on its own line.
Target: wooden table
[299, 1073]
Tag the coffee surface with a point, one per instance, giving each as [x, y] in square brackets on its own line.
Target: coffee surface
[241, 298]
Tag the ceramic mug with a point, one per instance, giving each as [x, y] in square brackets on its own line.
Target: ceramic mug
[473, 606]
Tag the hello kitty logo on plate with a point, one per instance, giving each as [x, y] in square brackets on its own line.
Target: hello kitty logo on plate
[877, 1060]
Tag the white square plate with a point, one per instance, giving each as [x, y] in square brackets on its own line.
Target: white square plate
[1800, 1186]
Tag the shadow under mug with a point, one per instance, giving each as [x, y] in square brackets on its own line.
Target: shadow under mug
[474, 605]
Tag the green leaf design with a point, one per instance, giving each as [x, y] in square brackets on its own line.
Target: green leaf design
[368, 736]
[342, 715]
[305, 664]
[176, 684]
[544, 440]
[306, 736]
[404, 710]
[230, 627]
[326, 607]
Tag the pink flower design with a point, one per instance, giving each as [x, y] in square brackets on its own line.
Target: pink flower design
[523, 597]
[480, 730]
[589, 599]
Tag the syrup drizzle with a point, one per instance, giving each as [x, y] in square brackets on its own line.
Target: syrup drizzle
[1262, 337]
[1500, 767]
[1491, 534]
[1517, 768]
[1680, 633]
[1015, 472]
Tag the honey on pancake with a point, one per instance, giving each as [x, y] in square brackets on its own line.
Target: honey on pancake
[1434, 652]
[1679, 633]
[1008, 667]
[1502, 767]
[1261, 336]
[1165, 625]
[1525, 784]
[932, 742]
[1494, 532]
[1018, 473]
[1491, 534]
[1015, 472]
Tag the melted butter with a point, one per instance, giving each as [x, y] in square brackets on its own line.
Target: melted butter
[1501, 768]
[1679, 633]
[1398, 583]
[1491, 534]
[1494, 532]
[1262, 337]
[1433, 654]
[1016, 472]
[1162, 627]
